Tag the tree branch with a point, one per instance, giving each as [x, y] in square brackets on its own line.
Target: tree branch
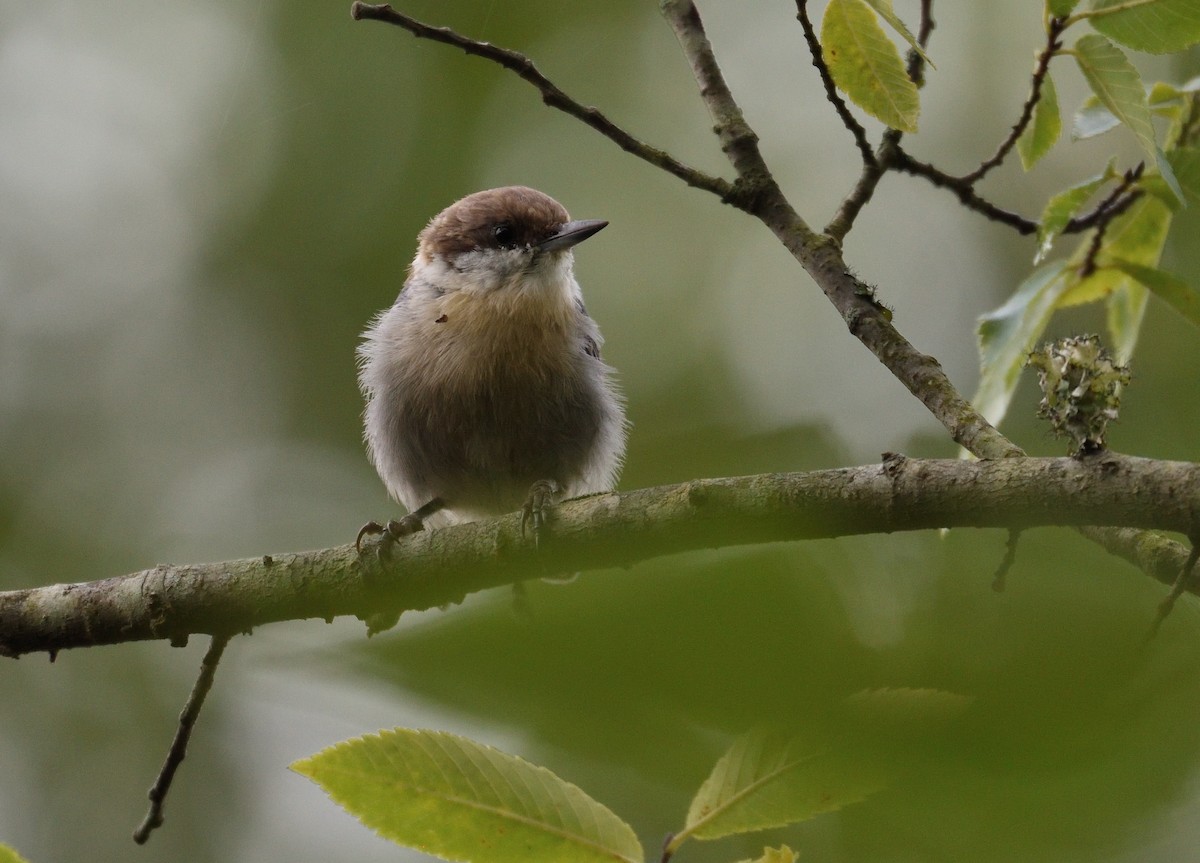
[965, 192]
[738, 141]
[1041, 69]
[603, 531]
[551, 94]
[883, 160]
[831, 93]
[183, 735]
[756, 192]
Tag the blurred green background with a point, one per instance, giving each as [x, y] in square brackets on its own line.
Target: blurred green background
[204, 204]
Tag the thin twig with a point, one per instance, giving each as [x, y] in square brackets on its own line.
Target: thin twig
[966, 194]
[916, 63]
[883, 159]
[831, 93]
[551, 94]
[843, 220]
[1053, 44]
[738, 140]
[1114, 203]
[1182, 583]
[178, 750]
[999, 580]
[1105, 212]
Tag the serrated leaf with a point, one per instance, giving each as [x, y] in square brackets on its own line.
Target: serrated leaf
[768, 780]
[1007, 333]
[1172, 290]
[1124, 311]
[1136, 236]
[1163, 99]
[1168, 174]
[461, 800]
[1061, 8]
[884, 8]
[866, 66]
[8, 855]
[1185, 168]
[1093, 119]
[1060, 209]
[782, 854]
[1117, 85]
[1186, 162]
[1043, 130]
[1156, 26]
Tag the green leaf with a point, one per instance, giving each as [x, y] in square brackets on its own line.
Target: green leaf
[1093, 119]
[1117, 85]
[1043, 130]
[460, 800]
[1185, 172]
[866, 66]
[1168, 174]
[1136, 236]
[1061, 208]
[8, 855]
[1156, 26]
[884, 8]
[1007, 333]
[1124, 311]
[1061, 8]
[767, 780]
[1186, 163]
[1166, 100]
[1172, 290]
[782, 854]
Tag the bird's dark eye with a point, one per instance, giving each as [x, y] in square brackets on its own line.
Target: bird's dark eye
[505, 236]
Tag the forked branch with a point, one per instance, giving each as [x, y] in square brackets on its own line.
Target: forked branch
[552, 95]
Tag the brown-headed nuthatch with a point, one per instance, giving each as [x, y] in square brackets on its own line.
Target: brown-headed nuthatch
[484, 385]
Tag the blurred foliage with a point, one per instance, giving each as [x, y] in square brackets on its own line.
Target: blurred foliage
[203, 207]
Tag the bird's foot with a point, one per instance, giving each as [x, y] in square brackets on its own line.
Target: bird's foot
[542, 496]
[395, 529]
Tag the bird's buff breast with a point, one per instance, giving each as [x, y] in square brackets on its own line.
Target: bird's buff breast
[501, 339]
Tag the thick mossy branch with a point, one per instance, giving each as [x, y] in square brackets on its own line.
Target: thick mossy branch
[606, 531]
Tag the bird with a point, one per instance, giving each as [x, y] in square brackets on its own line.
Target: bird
[484, 385]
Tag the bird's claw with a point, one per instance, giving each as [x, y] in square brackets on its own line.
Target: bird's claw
[392, 531]
[542, 495]
[371, 528]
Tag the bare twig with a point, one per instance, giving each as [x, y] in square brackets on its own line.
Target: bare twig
[178, 750]
[551, 94]
[1115, 203]
[864, 188]
[1182, 583]
[1000, 579]
[831, 93]
[1053, 44]
[884, 158]
[738, 141]
[916, 63]
[965, 192]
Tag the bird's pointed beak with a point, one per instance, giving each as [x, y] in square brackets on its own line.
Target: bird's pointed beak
[571, 234]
